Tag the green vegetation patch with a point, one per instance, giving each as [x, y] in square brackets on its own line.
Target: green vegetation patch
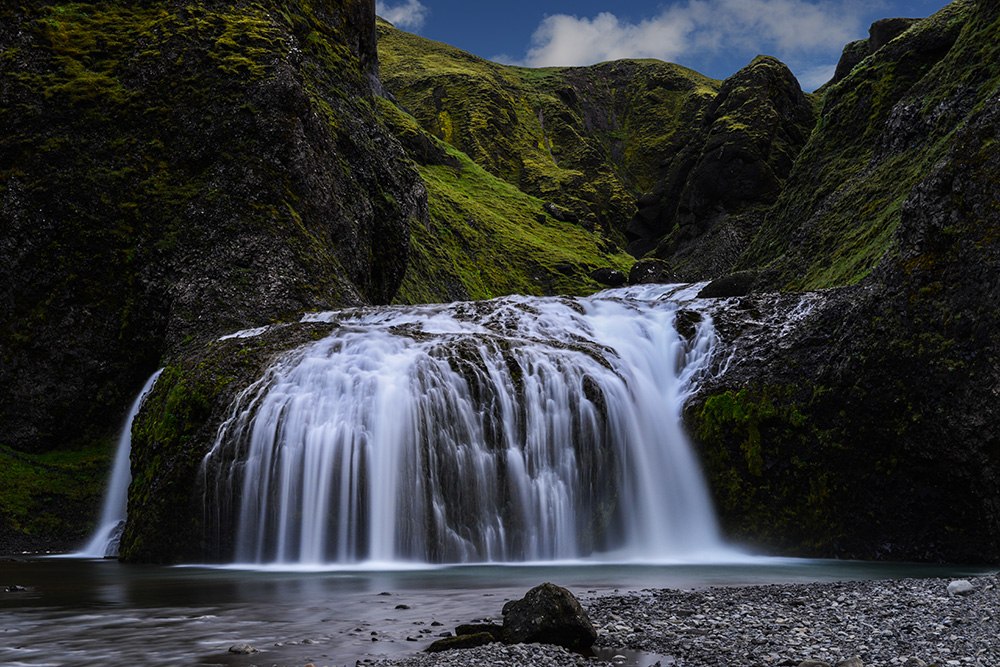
[882, 129]
[485, 238]
[52, 498]
[589, 139]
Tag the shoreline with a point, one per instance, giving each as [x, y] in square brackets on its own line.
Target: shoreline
[883, 623]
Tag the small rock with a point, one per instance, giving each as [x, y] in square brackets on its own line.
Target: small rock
[475, 628]
[608, 276]
[15, 589]
[961, 587]
[402, 606]
[462, 641]
[814, 663]
[560, 214]
[914, 662]
[850, 662]
[735, 284]
[243, 649]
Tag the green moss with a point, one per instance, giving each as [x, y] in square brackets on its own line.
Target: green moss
[765, 453]
[52, 496]
[845, 191]
[589, 139]
[486, 238]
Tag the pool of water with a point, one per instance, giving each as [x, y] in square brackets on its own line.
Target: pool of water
[100, 612]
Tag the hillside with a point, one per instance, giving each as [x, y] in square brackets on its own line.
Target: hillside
[636, 150]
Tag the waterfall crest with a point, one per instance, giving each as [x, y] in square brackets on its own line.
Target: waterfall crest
[104, 542]
[517, 429]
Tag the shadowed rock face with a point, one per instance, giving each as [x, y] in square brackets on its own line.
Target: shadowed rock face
[168, 174]
[879, 34]
[738, 159]
[871, 431]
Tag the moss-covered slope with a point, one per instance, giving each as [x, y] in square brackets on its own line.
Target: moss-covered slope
[882, 128]
[484, 237]
[872, 432]
[588, 139]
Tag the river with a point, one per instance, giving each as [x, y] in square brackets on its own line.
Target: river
[99, 612]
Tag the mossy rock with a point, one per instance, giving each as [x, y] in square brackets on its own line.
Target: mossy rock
[169, 173]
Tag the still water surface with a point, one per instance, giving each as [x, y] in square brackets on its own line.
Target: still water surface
[94, 612]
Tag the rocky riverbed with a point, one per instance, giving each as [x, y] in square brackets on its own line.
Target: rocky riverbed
[898, 623]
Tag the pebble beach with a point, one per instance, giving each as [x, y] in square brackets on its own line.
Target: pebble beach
[894, 623]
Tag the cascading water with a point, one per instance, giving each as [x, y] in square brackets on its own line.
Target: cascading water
[104, 542]
[510, 430]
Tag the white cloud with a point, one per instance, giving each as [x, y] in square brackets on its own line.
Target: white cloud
[410, 15]
[788, 29]
[811, 78]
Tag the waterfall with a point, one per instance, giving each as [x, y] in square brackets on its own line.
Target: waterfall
[104, 542]
[517, 429]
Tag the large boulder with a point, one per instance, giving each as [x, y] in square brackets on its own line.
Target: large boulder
[548, 614]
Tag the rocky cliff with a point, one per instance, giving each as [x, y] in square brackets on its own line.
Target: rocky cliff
[169, 173]
[872, 431]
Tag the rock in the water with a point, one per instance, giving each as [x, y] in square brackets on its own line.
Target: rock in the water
[243, 649]
[609, 277]
[548, 614]
[961, 587]
[15, 588]
[461, 641]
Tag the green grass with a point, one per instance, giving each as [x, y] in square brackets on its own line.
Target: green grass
[49, 494]
[590, 139]
[484, 237]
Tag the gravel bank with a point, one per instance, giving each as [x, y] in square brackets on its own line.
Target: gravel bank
[883, 623]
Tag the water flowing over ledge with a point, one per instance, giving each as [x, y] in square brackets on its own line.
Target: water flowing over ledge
[104, 542]
[512, 430]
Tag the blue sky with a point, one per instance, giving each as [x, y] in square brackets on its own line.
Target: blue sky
[714, 37]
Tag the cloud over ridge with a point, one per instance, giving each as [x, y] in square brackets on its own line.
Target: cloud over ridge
[409, 15]
[789, 29]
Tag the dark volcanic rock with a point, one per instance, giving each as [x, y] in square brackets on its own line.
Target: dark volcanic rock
[750, 135]
[650, 271]
[609, 277]
[871, 430]
[461, 641]
[162, 182]
[548, 614]
[735, 284]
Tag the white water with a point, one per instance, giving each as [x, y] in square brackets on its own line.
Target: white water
[515, 430]
[104, 542]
